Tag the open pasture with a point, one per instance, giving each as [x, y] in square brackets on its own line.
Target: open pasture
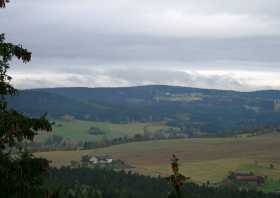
[202, 159]
[79, 130]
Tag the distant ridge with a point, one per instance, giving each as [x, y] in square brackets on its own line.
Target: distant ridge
[158, 85]
[191, 109]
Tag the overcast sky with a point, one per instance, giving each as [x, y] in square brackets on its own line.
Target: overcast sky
[222, 44]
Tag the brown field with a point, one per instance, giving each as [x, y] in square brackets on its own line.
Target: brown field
[202, 159]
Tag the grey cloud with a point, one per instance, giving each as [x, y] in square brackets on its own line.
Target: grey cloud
[73, 38]
[169, 77]
[95, 30]
[126, 49]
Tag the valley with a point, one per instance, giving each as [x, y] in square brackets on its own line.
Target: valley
[202, 159]
[213, 132]
[139, 99]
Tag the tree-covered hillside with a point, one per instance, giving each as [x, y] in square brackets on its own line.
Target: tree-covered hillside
[192, 110]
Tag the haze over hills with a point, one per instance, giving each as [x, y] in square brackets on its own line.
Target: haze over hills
[190, 109]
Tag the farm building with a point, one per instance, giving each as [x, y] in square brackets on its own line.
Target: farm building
[104, 159]
[256, 179]
[247, 177]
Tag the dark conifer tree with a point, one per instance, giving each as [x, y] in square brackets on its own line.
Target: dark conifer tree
[177, 180]
[20, 172]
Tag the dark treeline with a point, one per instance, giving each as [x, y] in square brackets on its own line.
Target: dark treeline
[101, 183]
[191, 110]
[55, 142]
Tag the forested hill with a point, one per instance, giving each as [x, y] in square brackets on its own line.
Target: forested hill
[190, 109]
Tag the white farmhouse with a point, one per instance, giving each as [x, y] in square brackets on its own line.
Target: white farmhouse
[101, 159]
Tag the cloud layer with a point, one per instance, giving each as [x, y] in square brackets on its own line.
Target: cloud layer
[218, 79]
[167, 42]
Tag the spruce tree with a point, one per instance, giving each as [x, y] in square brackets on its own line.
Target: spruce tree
[177, 180]
[21, 174]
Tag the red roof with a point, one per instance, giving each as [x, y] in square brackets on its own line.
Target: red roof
[248, 178]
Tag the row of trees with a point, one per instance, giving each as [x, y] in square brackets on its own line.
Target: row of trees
[104, 183]
[55, 142]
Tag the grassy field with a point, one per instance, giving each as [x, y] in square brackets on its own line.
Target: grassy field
[78, 130]
[202, 159]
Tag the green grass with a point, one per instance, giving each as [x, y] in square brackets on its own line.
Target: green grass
[260, 169]
[271, 185]
[78, 130]
[202, 159]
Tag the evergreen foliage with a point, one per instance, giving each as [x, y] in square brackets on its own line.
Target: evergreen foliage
[177, 180]
[21, 173]
[104, 183]
[217, 112]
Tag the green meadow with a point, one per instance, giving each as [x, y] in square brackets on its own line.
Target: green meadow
[79, 130]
